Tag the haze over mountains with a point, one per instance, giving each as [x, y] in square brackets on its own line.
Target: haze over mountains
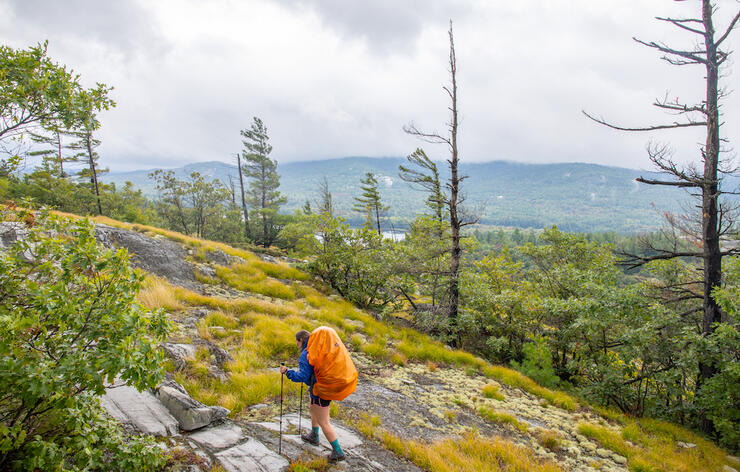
[573, 196]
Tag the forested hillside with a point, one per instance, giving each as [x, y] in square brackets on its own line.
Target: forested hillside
[572, 196]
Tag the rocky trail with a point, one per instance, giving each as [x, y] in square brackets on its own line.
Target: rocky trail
[237, 446]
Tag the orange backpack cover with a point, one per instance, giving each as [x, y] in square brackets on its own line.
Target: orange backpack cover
[336, 375]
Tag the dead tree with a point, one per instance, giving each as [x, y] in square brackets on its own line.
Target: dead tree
[705, 184]
[453, 203]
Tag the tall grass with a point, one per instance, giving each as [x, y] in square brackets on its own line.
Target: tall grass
[157, 293]
[515, 379]
[656, 449]
[468, 453]
[281, 271]
[247, 278]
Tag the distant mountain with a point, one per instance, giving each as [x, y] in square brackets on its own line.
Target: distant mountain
[573, 196]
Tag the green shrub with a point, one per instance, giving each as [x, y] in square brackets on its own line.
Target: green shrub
[537, 364]
[69, 323]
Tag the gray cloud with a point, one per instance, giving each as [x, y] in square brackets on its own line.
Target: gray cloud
[121, 24]
[386, 26]
[332, 78]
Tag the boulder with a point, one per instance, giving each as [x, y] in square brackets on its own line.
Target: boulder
[219, 437]
[206, 271]
[190, 414]
[220, 355]
[158, 256]
[219, 257]
[179, 353]
[251, 456]
[139, 411]
[268, 258]
[10, 232]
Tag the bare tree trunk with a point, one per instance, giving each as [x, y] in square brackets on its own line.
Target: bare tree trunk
[454, 198]
[377, 220]
[244, 202]
[59, 153]
[266, 238]
[93, 172]
[710, 229]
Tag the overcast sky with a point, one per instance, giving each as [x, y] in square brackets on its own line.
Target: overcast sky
[333, 78]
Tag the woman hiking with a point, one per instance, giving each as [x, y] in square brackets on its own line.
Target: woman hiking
[325, 366]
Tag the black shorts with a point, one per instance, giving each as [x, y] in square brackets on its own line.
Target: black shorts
[319, 401]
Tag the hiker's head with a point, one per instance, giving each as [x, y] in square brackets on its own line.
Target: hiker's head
[301, 337]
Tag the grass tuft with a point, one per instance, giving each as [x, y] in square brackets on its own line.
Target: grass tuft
[158, 293]
[549, 439]
[501, 417]
[493, 391]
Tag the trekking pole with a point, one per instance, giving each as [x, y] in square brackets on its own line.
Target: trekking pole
[280, 443]
[300, 411]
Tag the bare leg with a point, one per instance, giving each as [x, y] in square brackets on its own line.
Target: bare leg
[314, 415]
[322, 417]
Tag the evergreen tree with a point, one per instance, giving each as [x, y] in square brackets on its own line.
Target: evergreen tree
[52, 150]
[426, 177]
[86, 145]
[370, 203]
[324, 203]
[264, 195]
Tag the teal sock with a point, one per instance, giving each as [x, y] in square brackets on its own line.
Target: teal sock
[335, 445]
[315, 430]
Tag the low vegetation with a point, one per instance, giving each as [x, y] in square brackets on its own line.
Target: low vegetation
[652, 446]
[471, 452]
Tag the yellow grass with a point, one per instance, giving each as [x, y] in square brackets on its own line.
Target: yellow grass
[399, 359]
[656, 449]
[309, 464]
[157, 293]
[549, 439]
[501, 417]
[492, 391]
[247, 278]
[515, 379]
[281, 271]
[467, 453]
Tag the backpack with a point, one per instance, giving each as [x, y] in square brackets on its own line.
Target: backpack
[336, 375]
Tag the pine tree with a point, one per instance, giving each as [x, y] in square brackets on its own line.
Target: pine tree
[426, 177]
[264, 195]
[52, 150]
[324, 203]
[370, 203]
[85, 146]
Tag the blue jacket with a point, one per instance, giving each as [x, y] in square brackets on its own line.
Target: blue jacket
[305, 372]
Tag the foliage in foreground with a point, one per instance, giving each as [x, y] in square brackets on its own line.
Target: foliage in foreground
[69, 324]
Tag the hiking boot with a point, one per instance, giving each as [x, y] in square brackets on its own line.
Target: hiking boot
[335, 457]
[311, 438]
